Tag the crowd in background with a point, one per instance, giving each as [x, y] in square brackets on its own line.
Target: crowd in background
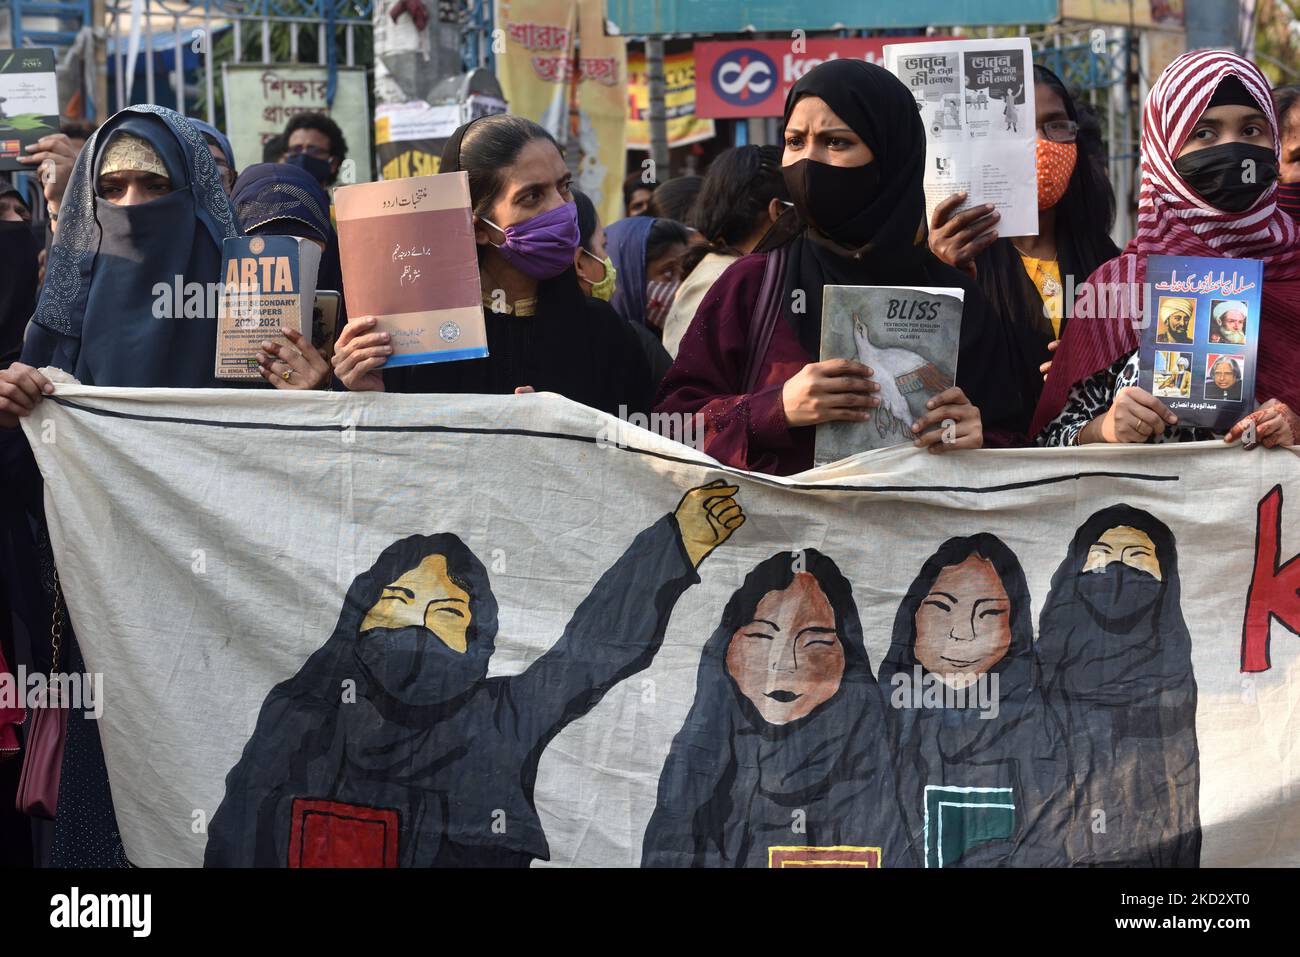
[705, 299]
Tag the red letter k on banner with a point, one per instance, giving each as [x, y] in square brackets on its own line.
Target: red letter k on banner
[1274, 587]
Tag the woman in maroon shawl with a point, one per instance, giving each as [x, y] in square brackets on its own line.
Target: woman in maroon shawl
[1208, 117]
[854, 161]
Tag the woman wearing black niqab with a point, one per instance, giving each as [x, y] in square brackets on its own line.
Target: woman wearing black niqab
[852, 225]
[1011, 752]
[1117, 660]
[100, 318]
[99, 314]
[774, 761]
[19, 251]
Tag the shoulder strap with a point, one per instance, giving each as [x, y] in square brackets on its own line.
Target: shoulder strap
[767, 313]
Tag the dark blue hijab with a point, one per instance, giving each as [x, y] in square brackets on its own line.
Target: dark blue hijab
[112, 268]
[222, 141]
[276, 199]
[267, 193]
[625, 243]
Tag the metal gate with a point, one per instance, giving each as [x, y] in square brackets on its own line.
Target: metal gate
[273, 30]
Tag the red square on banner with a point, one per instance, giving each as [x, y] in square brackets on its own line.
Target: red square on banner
[333, 834]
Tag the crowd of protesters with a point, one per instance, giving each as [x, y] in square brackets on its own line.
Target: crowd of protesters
[705, 299]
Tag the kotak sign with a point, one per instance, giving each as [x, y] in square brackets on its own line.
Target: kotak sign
[752, 78]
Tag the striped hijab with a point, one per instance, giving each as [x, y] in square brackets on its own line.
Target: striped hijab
[1174, 221]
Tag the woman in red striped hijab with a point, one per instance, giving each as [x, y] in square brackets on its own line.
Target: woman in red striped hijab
[1207, 115]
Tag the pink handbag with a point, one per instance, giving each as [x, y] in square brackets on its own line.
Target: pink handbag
[11, 718]
[38, 784]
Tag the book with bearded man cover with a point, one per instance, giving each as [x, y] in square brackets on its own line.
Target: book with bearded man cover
[1200, 337]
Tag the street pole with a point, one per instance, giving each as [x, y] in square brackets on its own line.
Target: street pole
[654, 60]
[1213, 24]
[98, 56]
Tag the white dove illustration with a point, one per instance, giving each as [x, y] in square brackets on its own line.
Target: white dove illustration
[896, 369]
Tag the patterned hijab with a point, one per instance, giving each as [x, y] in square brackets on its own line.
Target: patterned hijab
[1173, 220]
[96, 315]
[217, 138]
[269, 193]
[276, 199]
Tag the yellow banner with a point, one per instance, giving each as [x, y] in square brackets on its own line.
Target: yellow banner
[559, 69]
[684, 127]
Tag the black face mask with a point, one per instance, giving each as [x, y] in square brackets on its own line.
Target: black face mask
[828, 196]
[412, 667]
[318, 169]
[1230, 177]
[1119, 596]
[21, 235]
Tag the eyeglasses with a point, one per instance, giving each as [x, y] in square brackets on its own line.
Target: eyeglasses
[314, 151]
[1061, 131]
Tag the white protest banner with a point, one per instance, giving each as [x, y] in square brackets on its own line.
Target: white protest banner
[432, 629]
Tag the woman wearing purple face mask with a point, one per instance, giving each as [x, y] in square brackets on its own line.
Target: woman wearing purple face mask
[543, 333]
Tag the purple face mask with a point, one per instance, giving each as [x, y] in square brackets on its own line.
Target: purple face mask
[544, 246]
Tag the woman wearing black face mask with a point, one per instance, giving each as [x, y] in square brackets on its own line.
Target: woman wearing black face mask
[1117, 665]
[854, 161]
[145, 205]
[1207, 124]
[543, 334]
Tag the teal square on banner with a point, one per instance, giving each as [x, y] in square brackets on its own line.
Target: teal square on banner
[957, 819]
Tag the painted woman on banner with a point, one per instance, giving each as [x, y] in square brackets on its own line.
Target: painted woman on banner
[392, 747]
[783, 760]
[982, 761]
[1117, 658]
